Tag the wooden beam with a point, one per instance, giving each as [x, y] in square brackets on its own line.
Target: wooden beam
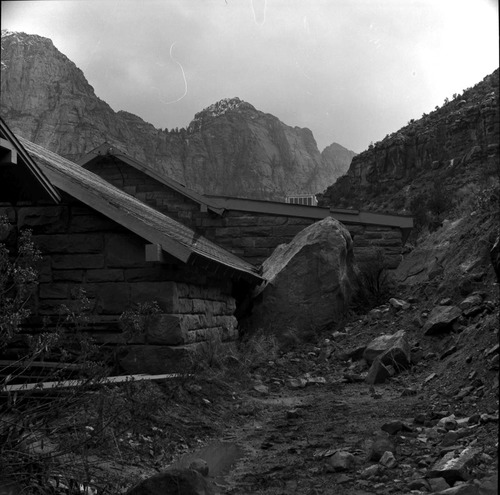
[33, 387]
[154, 253]
[8, 152]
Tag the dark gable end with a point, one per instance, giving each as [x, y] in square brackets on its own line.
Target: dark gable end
[21, 179]
[108, 150]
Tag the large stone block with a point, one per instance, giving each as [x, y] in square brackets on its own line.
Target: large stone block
[45, 219]
[166, 329]
[54, 291]
[274, 221]
[70, 243]
[157, 359]
[105, 275]
[112, 298]
[75, 261]
[125, 250]
[92, 223]
[164, 293]
[242, 221]
[68, 275]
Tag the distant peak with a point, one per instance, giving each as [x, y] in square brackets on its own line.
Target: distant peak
[223, 106]
[217, 110]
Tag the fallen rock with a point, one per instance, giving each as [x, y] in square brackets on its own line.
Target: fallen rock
[262, 389]
[340, 461]
[437, 484]
[182, 481]
[388, 460]
[370, 471]
[472, 301]
[309, 280]
[296, 382]
[379, 446]
[454, 468]
[392, 427]
[399, 303]
[419, 484]
[390, 349]
[441, 319]
[378, 373]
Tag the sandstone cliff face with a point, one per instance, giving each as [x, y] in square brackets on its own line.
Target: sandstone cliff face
[452, 146]
[230, 148]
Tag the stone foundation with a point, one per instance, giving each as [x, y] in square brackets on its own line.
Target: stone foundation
[82, 249]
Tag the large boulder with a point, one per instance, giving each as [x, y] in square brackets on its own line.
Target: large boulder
[390, 349]
[309, 281]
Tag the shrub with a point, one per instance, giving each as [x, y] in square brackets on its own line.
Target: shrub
[374, 284]
[439, 201]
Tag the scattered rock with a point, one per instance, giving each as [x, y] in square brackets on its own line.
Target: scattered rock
[379, 446]
[441, 319]
[262, 389]
[437, 484]
[378, 373]
[370, 471]
[454, 468]
[393, 427]
[399, 303]
[430, 377]
[451, 350]
[392, 349]
[472, 301]
[296, 382]
[340, 461]
[420, 484]
[388, 460]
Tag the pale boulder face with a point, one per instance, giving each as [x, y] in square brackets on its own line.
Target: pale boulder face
[310, 281]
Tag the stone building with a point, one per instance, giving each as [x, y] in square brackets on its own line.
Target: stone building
[96, 237]
[249, 228]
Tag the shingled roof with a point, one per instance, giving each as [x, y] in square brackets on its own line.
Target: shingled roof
[106, 149]
[221, 204]
[173, 237]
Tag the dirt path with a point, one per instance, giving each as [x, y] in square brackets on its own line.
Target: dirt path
[293, 433]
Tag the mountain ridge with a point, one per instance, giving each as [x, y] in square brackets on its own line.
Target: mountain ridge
[229, 148]
[438, 156]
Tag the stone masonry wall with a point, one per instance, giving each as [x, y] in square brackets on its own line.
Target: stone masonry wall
[84, 250]
[252, 236]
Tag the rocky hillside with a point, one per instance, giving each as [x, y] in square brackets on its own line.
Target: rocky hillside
[438, 155]
[230, 148]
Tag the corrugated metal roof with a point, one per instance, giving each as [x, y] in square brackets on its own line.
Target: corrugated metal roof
[174, 237]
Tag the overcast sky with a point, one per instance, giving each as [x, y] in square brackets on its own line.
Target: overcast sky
[352, 71]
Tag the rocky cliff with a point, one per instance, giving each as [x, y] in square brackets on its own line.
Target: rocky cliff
[230, 148]
[454, 146]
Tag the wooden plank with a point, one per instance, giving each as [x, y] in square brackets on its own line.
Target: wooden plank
[41, 364]
[27, 387]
